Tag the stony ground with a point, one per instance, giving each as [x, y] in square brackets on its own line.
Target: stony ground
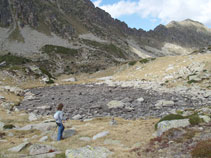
[88, 101]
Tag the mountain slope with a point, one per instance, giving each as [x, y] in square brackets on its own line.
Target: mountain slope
[27, 28]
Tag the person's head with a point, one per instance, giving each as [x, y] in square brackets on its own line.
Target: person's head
[60, 107]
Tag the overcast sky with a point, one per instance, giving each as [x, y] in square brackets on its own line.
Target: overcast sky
[147, 14]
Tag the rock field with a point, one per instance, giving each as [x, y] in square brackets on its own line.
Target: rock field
[88, 101]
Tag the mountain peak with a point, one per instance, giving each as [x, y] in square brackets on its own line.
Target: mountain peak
[186, 22]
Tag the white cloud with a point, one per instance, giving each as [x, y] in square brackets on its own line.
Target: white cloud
[97, 3]
[165, 10]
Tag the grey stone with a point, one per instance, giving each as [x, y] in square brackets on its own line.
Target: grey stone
[10, 134]
[69, 79]
[19, 147]
[166, 125]
[2, 97]
[115, 104]
[140, 99]
[33, 117]
[40, 126]
[86, 139]
[37, 149]
[206, 119]
[163, 103]
[88, 152]
[1, 125]
[67, 133]
[100, 135]
[43, 139]
[113, 122]
[77, 117]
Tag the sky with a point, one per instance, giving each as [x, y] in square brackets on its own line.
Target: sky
[147, 14]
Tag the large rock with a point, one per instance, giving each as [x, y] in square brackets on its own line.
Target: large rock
[88, 152]
[166, 125]
[19, 147]
[69, 80]
[40, 126]
[2, 97]
[43, 139]
[115, 104]
[205, 118]
[37, 149]
[100, 135]
[33, 117]
[67, 133]
[15, 90]
[163, 103]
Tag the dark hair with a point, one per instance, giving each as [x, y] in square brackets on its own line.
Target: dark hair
[60, 106]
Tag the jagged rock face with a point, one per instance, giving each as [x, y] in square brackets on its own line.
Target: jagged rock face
[186, 33]
[5, 14]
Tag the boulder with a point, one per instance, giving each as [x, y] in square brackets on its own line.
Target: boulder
[164, 103]
[140, 99]
[33, 117]
[88, 152]
[43, 139]
[2, 97]
[72, 79]
[115, 104]
[166, 125]
[205, 118]
[40, 126]
[15, 90]
[19, 147]
[77, 117]
[67, 133]
[86, 139]
[100, 135]
[37, 149]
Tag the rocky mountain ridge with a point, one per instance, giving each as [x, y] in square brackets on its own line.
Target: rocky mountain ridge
[74, 34]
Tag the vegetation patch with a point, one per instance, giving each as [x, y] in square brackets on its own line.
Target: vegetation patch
[52, 49]
[192, 81]
[62, 155]
[16, 36]
[202, 149]
[8, 126]
[169, 118]
[13, 60]
[131, 63]
[110, 48]
[144, 61]
[195, 119]
[46, 72]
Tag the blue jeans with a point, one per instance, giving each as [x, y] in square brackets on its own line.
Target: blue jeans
[60, 131]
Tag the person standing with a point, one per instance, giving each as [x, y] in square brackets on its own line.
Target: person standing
[58, 116]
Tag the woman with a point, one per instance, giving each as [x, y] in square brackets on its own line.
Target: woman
[59, 117]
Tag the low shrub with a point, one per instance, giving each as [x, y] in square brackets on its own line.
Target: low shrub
[192, 81]
[49, 49]
[144, 61]
[195, 119]
[202, 149]
[62, 155]
[13, 60]
[8, 126]
[169, 118]
[131, 63]
[50, 81]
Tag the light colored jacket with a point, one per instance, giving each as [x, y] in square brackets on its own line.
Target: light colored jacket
[58, 116]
